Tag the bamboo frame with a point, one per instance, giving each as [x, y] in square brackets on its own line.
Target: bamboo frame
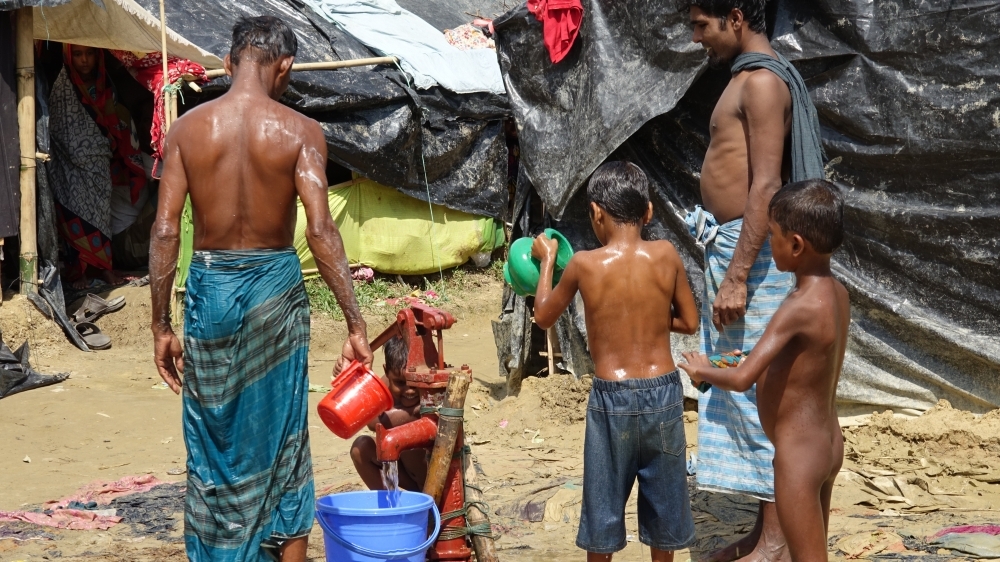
[483, 546]
[449, 430]
[305, 66]
[25, 57]
[551, 346]
[167, 96]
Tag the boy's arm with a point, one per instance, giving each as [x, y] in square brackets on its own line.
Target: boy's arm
[783, 327]
[378, 419]
[550, 303]
[685, 313]
[398, 416]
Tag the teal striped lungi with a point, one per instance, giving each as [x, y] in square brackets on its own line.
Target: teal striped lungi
[734, 455]
[246, 336]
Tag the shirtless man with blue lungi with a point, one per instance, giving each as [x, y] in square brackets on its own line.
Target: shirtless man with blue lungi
[764, 130]
[243, 159]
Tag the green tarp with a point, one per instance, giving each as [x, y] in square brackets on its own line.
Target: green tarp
[387, 231]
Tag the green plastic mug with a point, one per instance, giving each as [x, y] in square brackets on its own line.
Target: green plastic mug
[522, 271]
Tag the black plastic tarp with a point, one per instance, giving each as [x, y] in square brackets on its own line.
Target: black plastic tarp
[6, 5]
[16, 374]
[375, 124]
[449, 14]
[908, 95]
[632, 61]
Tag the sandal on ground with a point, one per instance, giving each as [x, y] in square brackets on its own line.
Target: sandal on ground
[94, 307]
[93, 336]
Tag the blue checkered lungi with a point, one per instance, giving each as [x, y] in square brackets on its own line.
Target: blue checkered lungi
[246, 336]
[734, 455]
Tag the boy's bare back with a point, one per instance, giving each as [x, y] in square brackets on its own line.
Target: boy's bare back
[628, 290]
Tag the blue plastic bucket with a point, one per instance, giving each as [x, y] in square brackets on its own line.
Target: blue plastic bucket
[361, 527]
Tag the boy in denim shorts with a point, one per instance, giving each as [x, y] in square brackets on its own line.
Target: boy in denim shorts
[634, 294]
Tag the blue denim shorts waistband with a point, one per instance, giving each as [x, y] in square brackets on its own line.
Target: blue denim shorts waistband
[602, 385]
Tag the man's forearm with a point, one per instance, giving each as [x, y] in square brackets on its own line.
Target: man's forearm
[331, 260]
[753, 234]
[162, 268]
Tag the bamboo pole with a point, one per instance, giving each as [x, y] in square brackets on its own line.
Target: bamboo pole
[25, 56]
[449, 428]
[485, 549]
[302, 67]
[167, 96]
[550, 349]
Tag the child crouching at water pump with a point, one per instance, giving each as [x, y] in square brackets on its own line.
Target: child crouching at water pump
[634, 294]
[796, 364]
[406, 408]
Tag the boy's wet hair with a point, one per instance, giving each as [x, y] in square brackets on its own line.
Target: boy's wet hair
[396, 354]
[813, 209]
[753, 11]
[621, 190]
[268, 35]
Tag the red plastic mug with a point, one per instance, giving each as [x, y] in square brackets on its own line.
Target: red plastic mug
[357, 397]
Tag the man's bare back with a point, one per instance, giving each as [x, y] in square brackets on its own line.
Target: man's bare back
[627, 292]
[244, 159]
[247, 151]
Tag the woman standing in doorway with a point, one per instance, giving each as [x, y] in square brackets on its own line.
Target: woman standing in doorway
[95, 156]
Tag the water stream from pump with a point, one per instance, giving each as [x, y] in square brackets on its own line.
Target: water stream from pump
[390, 479]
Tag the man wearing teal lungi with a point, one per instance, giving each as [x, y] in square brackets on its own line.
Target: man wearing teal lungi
[764, 130]
[244, 159]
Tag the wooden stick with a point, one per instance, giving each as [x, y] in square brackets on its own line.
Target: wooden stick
[301, 67]
[448, 430]
[551, 355]
[173, 107]
[484, 547]
[25, 58]
[315, 270]
[163, 44]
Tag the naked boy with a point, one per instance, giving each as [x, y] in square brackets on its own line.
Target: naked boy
[797, 363]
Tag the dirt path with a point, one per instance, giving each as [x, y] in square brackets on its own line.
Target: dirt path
[112, 418]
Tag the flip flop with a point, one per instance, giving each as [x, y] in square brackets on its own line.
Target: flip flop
[92, 335]
[94, 307]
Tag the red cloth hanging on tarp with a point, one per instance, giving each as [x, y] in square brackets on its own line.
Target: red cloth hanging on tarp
[148, 70]
[560, 24]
